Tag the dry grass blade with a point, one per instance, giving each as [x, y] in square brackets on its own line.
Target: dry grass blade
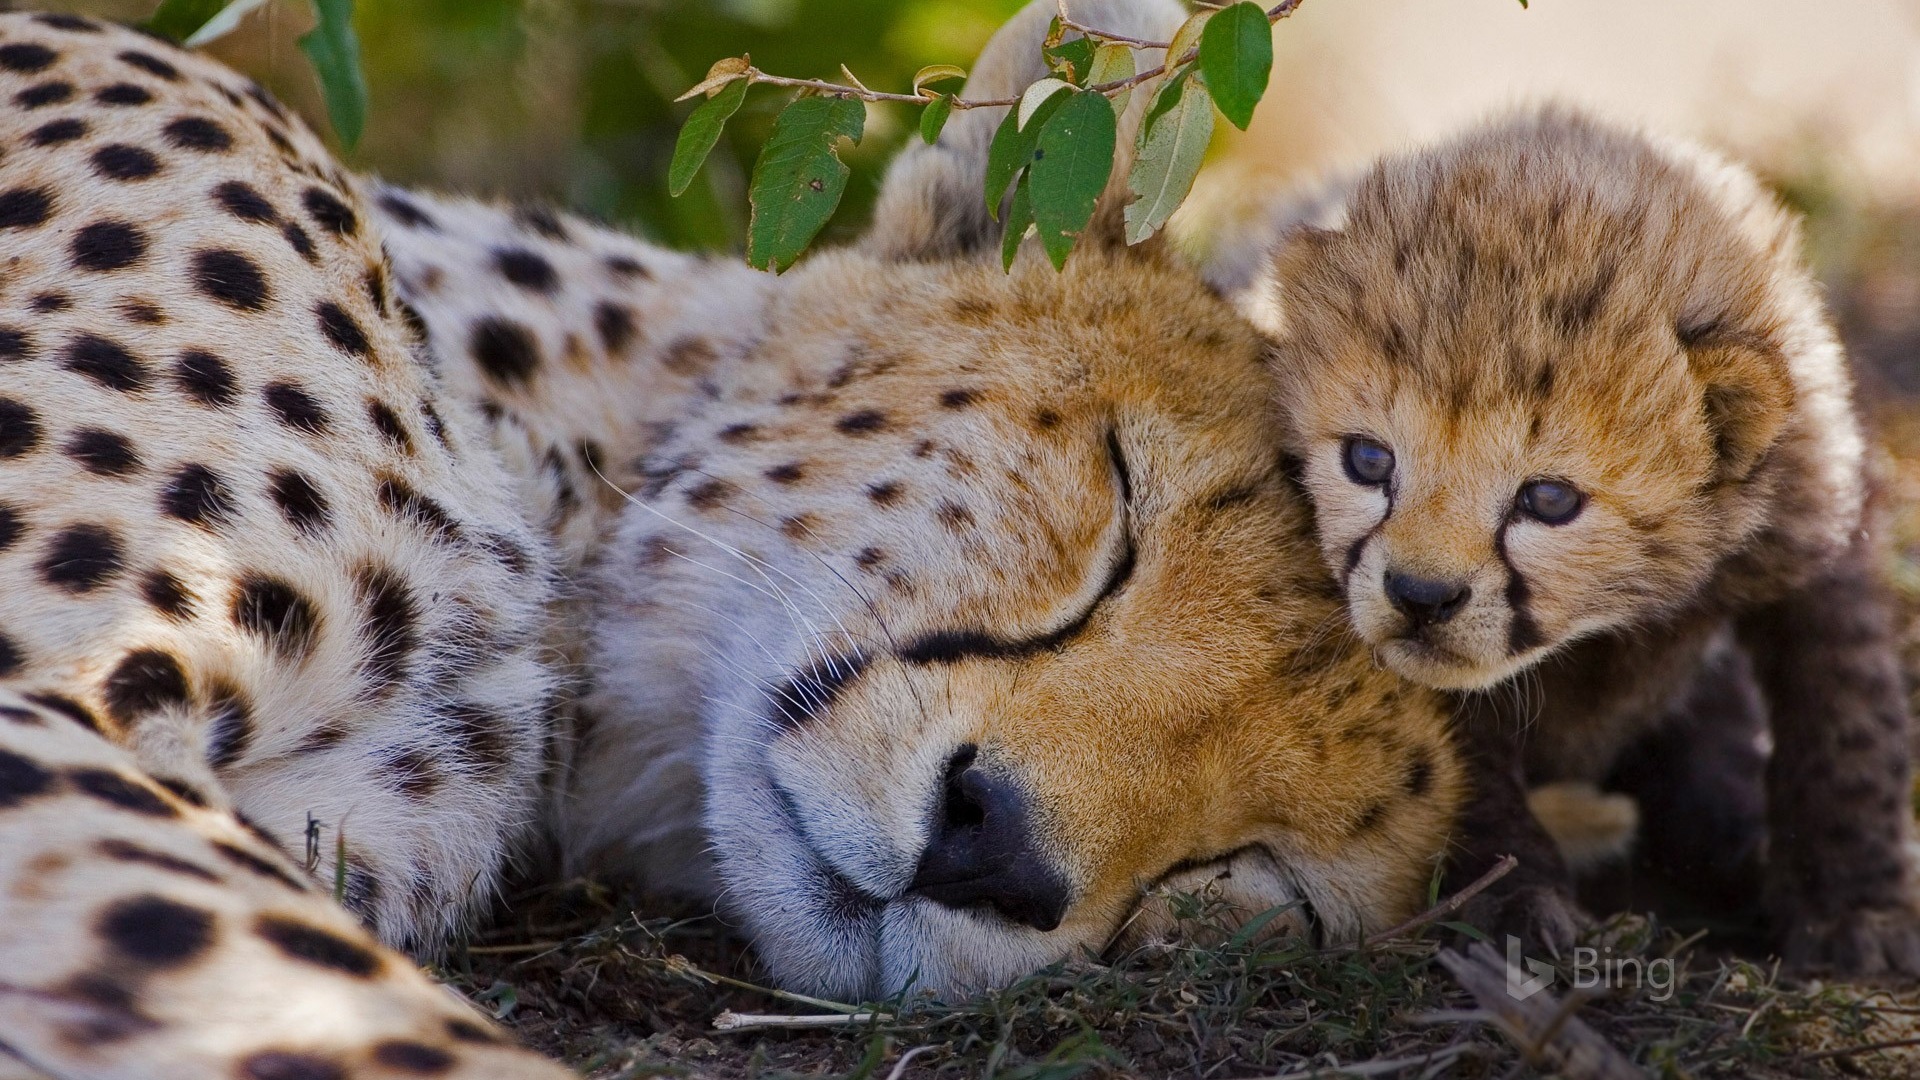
[1541, 1025]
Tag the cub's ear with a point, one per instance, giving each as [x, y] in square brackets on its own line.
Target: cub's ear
[1747, 395]
[932, 204]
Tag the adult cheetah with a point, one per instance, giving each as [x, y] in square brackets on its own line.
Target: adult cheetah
[925, 612]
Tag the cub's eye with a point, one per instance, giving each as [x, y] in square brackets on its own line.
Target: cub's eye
[1551, 502]
[1367, 461]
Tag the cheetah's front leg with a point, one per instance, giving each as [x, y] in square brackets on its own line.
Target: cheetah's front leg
[1840, 886]
[150, 938]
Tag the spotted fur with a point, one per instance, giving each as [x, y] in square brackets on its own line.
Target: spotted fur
[335, 517]
[1551, 299]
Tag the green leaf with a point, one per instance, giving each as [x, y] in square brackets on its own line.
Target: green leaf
[701, 132]
[1071, 164]
[1012, 148]
[1251, 929]
[1071, 60]
[1236, 56]
[1019, 223]
[1170, 151]
[799, 178]
[934, 117]
[1111, 64]
[1467, 929]
[334, 52]
[177, 20]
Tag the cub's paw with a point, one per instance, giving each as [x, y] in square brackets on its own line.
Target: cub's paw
[1866, 942]
[1545, 917]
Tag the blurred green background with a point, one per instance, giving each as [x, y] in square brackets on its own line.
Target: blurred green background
[570, 101]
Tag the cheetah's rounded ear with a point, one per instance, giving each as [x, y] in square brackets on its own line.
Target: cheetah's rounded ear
[932, 204]
[1747, 396]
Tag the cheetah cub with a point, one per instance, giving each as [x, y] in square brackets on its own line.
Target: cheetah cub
[1582, 450]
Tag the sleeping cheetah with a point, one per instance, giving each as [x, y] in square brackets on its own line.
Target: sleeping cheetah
[1581, 443]
[926, 616]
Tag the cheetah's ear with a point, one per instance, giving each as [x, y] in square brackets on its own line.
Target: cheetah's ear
[1748, 394]
[932, 204]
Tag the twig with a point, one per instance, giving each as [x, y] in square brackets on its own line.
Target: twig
[1378, 1067]
[1541, 1026]
[530, 946]
[733, 1021]
[900, 1067]
[1849, 1051]
[754, 75]
[680, 965]
[1450, 905]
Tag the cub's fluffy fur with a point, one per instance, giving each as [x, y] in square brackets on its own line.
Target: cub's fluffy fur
[1551, 300]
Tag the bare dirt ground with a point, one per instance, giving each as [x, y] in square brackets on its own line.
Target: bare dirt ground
[625, 990]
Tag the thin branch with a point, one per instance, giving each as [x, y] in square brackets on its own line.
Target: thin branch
[732, 1021]
[861, 92]
[1451, 904]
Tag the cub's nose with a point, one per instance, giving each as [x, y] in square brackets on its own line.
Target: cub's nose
[982, 851]
[1423, 602]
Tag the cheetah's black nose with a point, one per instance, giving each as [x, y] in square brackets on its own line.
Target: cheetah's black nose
[982, 851]
[1423, 602]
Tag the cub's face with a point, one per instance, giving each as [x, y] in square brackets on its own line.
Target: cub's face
[1531, 385]
[981, 607]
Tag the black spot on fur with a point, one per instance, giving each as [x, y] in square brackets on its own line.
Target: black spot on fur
[295, 407]
[151, 64]
[541, 220]
[299, 241]
[123, 94]
[274, 610]
[68, 708]
[959, 399]
[199, 133]
[11, 659]
[1371, 817]
[869, 558]
[332, 215]
[404, 211]
[81, 558]
[408, 1056]
[289, 1065]
[146, 681]
[26, 57]
[14, 344]
[198, 496]
[117, 791]
[435, 426]
[413, 774]
[1420, 774]
[615, 324]
[526, 269]
[10, 526]
[885, 493]
[106, 246]
[341, 329]
[168, 595]
[21, 779]
[403, 501]
[204, 377]
[47, 93]
[77, 24]
[25, 208]
[391, 623]
[789, 473]
[300, 502]
[710, 493]
[127, 851]
[106, 362]
[247, 860]
[387, 423]
[118, 161]
[864, 422]
[482, 736]
[156, 931]
[245, 202]
[317, 945]
[628, 267]
[20, 430]
[49, 302]
[231, 278]
[505, 350]
[57, 132]
[469, 1032]
[230, 730]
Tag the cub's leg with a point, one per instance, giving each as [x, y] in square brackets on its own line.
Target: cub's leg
[1839, 886]
[150, 938]
[1535, 902]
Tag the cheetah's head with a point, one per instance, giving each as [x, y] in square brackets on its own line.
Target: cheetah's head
[976, 607]
[1535, 383]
